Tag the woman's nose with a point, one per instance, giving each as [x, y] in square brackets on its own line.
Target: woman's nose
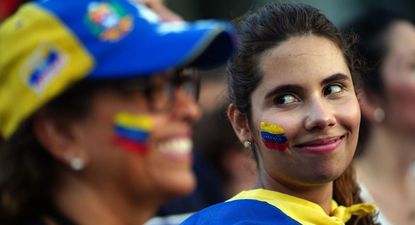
[186, 107]
[319, 116]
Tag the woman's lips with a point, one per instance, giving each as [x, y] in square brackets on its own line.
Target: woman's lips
[323, 145]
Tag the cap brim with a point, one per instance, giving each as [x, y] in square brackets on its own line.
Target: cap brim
[203, 45]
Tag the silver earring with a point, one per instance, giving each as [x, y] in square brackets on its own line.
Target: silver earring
[77, 164]
[379, 115]
[247, 144]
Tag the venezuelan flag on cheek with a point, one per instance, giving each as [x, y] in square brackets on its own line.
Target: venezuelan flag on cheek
[132, 131]
[273, 136]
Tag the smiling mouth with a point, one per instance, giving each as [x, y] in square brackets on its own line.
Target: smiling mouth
[182, 145]
[323, 145]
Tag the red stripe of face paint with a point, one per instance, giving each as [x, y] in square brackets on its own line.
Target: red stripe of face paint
[275, 146]
[131, 145]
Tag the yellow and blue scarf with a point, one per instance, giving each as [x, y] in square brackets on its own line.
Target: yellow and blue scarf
[265, 207]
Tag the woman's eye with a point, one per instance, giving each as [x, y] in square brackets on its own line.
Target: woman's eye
[285, 99]
[333, 89]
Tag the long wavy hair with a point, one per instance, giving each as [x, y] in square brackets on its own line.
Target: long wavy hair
[267, 27]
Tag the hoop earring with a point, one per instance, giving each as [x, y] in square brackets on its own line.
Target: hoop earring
[379, 115]
[77, 164]
[247, 144]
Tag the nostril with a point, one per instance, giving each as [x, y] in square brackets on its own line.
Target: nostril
[319, 116]
[318, 122]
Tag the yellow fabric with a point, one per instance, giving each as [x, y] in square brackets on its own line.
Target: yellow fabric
[18, 62]
[306, 212]
[345, 213]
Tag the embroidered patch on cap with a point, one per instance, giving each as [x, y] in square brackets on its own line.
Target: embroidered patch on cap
[108, 20]
[132, 131]
[42, 67]
[273, 136]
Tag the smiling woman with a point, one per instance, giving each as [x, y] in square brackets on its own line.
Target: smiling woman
[316, 106]
[101, 133]
[293, 102]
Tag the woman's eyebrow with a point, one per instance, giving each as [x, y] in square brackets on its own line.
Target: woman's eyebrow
[335, 77]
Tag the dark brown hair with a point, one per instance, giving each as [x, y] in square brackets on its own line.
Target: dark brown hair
[267, 27]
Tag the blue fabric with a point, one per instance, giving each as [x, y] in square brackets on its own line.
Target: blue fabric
[241, 212]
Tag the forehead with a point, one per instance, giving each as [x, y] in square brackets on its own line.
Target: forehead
[402, 37]
[302, 59]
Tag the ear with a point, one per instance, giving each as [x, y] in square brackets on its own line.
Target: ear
[368, 105]
[58, 139]
[239, 123]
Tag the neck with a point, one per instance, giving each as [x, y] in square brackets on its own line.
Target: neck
[87, 204]
[319, 194]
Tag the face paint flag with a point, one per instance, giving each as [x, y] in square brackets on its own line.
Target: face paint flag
[273, 136]
[132, 131]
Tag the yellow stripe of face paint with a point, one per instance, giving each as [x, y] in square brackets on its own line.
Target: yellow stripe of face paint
[271, 128]
[134, 120]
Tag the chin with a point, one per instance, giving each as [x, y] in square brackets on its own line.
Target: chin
[325, 175]
[327, 178]
[180, 186]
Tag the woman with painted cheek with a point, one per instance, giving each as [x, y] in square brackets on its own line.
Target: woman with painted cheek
[101, 130]
[149, 123]
[307, 117]
[293, 103]
[386, 149]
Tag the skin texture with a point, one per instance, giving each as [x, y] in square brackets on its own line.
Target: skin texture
[117, 183]
[313, 104]
[391, 141]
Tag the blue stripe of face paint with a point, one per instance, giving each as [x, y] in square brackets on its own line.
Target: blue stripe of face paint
[132, 134]
[279, 138]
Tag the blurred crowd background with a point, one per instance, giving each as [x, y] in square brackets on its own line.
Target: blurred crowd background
[338, 11]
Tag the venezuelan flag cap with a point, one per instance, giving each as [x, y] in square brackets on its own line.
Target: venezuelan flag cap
[49, 45]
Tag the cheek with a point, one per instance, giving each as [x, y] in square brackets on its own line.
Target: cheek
[348, 115]
[273, 136]
[273, 131]
[132, 132]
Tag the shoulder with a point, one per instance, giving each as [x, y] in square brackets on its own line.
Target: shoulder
[244, 211]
